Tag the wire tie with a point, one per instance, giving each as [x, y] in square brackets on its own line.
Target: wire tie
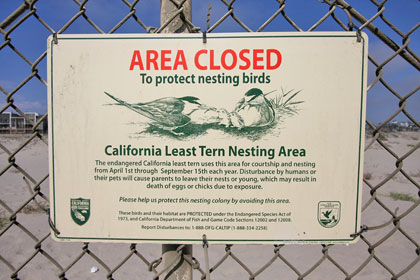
[359, 35]
[206, 256]
[50, 222]
[55, 39]
[205, 37]
[358, 31]
[207, 26]
[362, 230]
[205, 242]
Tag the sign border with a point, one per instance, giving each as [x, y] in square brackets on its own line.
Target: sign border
[51, 41]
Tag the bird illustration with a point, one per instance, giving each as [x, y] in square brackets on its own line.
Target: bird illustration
[253, 110]
[171, 113]
[327, 214]
[168, 112]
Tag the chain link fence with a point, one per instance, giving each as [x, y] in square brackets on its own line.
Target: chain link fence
[389, 245]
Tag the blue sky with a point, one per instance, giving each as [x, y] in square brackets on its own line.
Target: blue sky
[30, 39]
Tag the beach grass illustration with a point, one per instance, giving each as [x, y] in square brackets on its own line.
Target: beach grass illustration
[185, 117]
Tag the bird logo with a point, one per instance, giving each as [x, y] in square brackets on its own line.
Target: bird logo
[329, 213]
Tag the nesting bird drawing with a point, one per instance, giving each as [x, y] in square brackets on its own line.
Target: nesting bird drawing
[172, 114]
[253, 110]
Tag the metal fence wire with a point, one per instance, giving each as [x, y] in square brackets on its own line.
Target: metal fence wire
[390, 235]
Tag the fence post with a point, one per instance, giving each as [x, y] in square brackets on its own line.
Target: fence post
[168, 9]
[179, 269]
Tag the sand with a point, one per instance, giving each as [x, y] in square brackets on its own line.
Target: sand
[396, 252]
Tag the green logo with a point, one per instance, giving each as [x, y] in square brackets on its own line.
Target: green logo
[329, 213]
[80, 210]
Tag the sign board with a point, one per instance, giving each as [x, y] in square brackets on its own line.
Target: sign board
[248, 138]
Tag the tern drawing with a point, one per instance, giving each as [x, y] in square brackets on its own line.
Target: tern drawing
[175, 114]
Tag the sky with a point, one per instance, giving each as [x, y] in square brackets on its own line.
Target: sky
[30, 39]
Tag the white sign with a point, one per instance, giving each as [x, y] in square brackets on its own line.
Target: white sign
[248, 138]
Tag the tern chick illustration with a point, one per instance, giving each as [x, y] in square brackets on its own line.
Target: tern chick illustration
[168, 112]
[253, 110]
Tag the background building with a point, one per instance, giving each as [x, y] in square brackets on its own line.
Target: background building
[12, 123]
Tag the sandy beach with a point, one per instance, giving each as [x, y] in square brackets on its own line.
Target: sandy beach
[396, 193]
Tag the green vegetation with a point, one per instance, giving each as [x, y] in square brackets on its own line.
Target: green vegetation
[402, 196]
[382, 137]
